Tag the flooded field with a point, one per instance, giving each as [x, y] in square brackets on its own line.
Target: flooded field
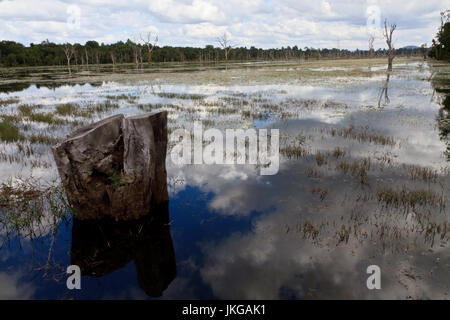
[364, 179]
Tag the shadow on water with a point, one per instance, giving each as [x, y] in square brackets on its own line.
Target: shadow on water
[100, 247]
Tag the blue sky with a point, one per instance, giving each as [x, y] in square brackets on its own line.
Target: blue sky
[261, 23]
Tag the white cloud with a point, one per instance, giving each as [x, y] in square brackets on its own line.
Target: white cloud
[198, 22]
[196, 12]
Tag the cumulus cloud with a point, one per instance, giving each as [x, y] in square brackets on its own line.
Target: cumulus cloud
[199, 22]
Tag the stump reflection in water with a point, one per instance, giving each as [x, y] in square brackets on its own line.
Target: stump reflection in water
[100, 247]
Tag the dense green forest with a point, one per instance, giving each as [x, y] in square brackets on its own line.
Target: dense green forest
[441, 45]
[47, 53]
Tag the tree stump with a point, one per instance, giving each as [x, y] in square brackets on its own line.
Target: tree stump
[115, 167]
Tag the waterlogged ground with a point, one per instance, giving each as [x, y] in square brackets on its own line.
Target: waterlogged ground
[364, 179]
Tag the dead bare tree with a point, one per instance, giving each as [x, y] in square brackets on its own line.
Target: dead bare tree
[137, 52]
[150, 46]
[388, 37]
[423, 50]
[113, 59]
[87, 57]
[371, 40]
[225, 44]
[69, 51]
[436, 48]
[97, 60]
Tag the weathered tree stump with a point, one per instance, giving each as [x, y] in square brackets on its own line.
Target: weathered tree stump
[115, 167]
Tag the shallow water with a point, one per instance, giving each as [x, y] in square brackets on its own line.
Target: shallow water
[309, 231]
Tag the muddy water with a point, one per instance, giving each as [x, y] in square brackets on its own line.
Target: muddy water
[369, 187]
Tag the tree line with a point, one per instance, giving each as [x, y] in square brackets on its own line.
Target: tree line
[46, 53]
[440, 48]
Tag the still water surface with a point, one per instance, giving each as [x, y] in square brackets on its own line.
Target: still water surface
[308, 232]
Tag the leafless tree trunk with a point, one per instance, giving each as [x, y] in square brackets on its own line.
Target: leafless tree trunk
[150, 46]
[69, 52]
[371, 40]
[388, 37]
[225, 44]
[137, 52]
[436, 48]
[113, 59]
[87, 57]
[423, 50]
[97, 60]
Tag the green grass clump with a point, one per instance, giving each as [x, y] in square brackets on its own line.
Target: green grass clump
[129, 98]
[11, 118]
[27, 109]
[42, 138]
[105, 106]
[45, 118]
[8, 101]
[184, 96]
[70, 109]
[26, 112]
[66, 109]
[9, 132]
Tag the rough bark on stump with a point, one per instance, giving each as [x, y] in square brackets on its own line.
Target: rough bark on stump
[115, 167]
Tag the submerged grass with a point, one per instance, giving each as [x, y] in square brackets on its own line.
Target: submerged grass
[362, 136]
[26, 203]
[321, 191]
[407, 198]
[104, 107]
[358, 168]
[183, 96]
[130, 98]
[75, 110]
[27, 109]
[294, 151]
[426, 174]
